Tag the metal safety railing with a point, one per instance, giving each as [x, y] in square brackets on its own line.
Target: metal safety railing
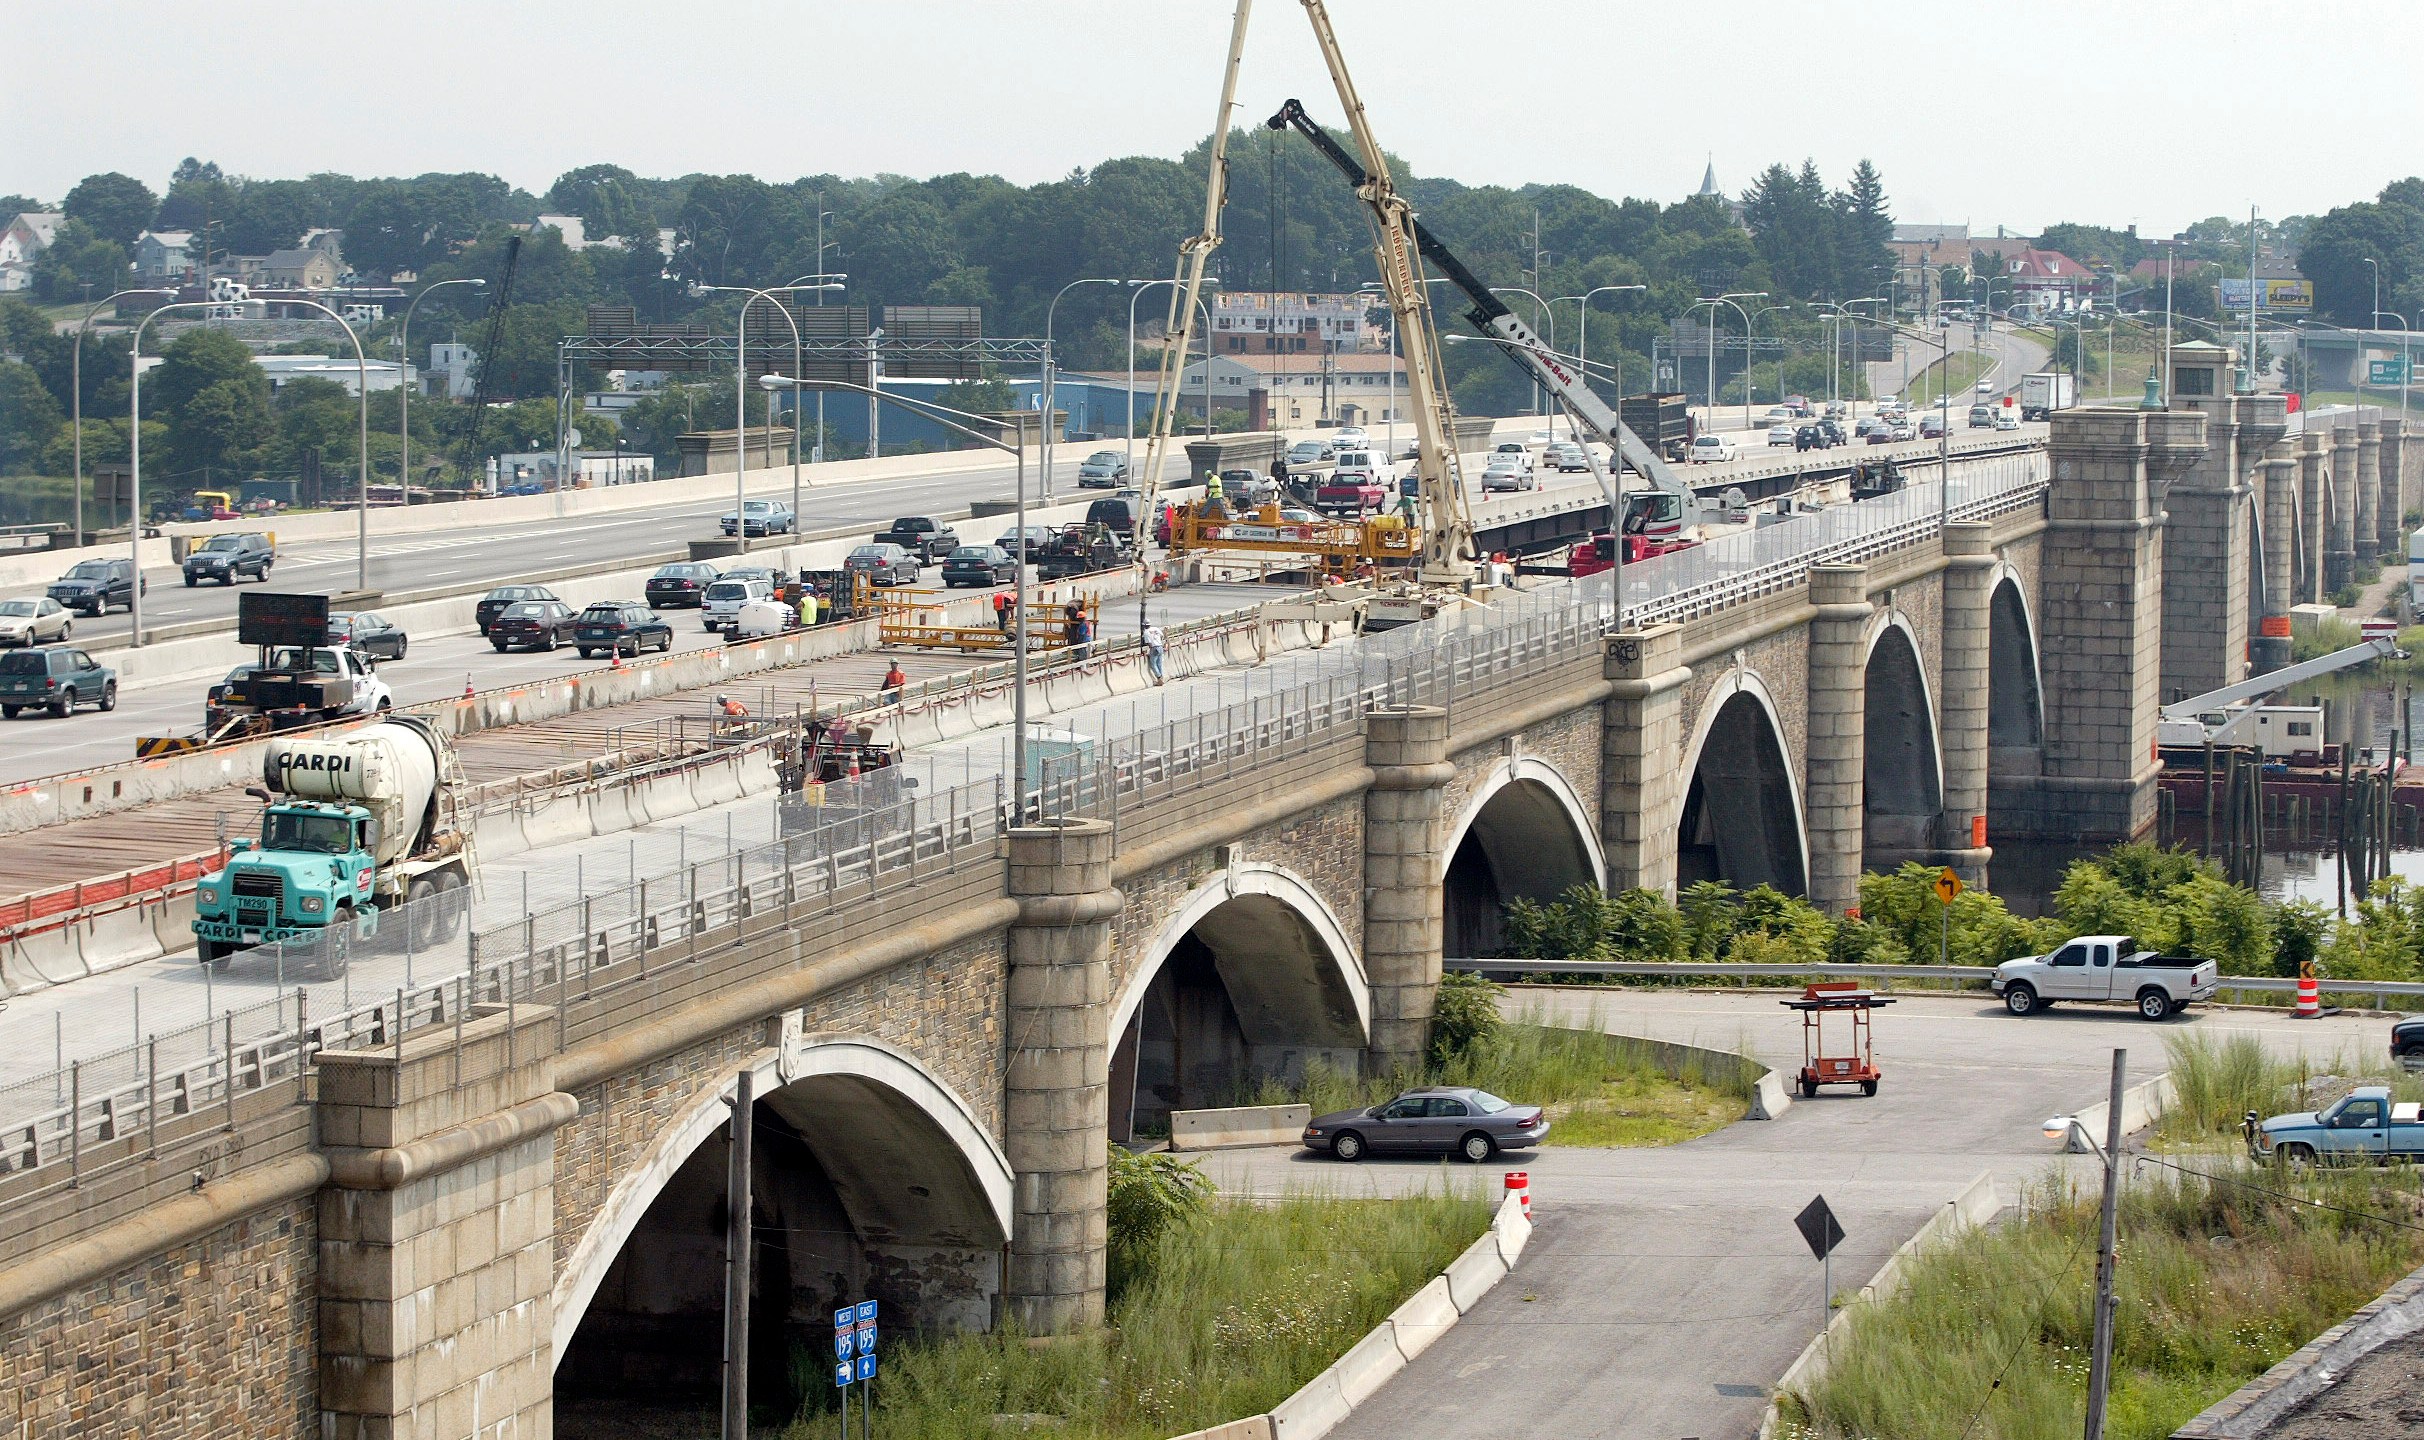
[422, 964]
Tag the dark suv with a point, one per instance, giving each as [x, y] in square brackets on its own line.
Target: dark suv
[93, 586]
[57, 679]
[229, 558]
[625, 627]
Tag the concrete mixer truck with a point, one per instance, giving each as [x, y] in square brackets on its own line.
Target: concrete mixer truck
[355, 823]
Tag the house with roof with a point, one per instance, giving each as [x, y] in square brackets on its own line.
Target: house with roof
[2047, 280]
[29, 233]
[302, 268]
[163, 255]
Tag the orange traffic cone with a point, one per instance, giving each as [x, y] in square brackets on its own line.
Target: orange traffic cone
[467, 693]
[2310, 993]
[616, 658]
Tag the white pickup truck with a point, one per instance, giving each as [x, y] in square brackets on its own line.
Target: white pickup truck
[2102, 969]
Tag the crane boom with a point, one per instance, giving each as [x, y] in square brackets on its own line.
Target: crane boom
[1494, 319]
[1447, 541]
[2272, 680]
[1187, 283]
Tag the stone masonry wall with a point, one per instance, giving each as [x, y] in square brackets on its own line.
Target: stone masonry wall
[1322, 847]
[1782, 663]
[214, 1340]
[946, 1010]
[1568, 744]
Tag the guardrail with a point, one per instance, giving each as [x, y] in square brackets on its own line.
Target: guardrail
[2376, 990]
[605, 940]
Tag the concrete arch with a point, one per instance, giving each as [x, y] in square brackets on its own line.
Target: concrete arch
[862, 1094]
[2015, 669]
[1742, 702]
[1902, 769]
[1252, 973]
[1532, 838]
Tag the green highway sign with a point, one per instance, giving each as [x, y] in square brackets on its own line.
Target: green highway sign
[2385, 372]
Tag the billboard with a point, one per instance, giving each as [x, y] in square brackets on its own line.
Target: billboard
[2278, 295]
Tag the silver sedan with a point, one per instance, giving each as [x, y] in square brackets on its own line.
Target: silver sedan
[38, 621]
[1431, 1120]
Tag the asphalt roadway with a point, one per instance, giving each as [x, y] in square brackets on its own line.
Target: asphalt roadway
[1665, 1290]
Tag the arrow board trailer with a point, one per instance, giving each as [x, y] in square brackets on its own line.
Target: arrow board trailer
[1850, 1057]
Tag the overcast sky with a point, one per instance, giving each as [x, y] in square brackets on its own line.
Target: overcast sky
[2157, 112]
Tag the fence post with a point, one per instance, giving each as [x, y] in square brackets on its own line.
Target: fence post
[75, 1123]
[229, 1061]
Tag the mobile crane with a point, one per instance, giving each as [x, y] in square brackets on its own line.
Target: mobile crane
[1671, 510]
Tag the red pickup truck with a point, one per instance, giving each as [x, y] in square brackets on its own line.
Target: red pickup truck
[1354, 486]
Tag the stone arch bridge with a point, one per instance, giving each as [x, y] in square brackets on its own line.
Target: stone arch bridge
[447, 1216]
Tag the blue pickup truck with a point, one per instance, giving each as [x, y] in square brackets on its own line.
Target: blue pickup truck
[2364, 1124]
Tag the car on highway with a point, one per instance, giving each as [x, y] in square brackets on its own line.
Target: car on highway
[494, 602]
[1810, 437]
[978, 565]
[1506, 475]
[1714, 449]
[229, 558]
[1538, 439]
[1565, 456]
[1779, 415]
[533, 625]
[1037, 536]
[890, 564]
[727, 595]
[1986, 387]
[625, 627]
[760, 517]
[1981, 417]
[34, 622]
[2007, 417]
[1931, 427]
[1430, 1120]
[57, 678]
[1882, 435]
[767, 573]
[1102, 470]
[1309, 452]
[1297, 515]
[1350, 437]
[373, 635]
[2407, 1043]
[1513, 450]
[681, 585]
[921, 535]
[2101, 969]
[1781, 433]
[93, 586]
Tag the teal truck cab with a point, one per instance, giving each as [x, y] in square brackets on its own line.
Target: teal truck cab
[366, 822]
[2364, 1124]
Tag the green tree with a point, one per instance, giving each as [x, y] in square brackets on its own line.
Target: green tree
[192, 363]
[117, 207]
[197, 194]
[1464, 1018]
[29, 418]
[268, 215]
[1148, 1196]
[78, 256]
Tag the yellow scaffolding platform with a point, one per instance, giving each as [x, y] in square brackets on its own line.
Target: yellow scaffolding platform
[922, 620]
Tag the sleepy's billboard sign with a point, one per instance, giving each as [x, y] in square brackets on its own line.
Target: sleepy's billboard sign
[2278, 295]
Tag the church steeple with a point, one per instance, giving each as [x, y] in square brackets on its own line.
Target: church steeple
[1708, 180]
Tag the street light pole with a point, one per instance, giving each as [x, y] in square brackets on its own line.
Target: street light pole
[740, 397]
[134, 438]
[1050, 366]
[1582, 343]
[404, 382]
[75, 397]
[1548, 322]
[1137, 288]
[1016, 448]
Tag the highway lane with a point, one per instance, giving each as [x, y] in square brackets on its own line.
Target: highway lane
[438, 666]
[476, 559]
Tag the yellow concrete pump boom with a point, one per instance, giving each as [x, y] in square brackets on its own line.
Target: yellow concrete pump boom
[1187, 283]
[1447, 542]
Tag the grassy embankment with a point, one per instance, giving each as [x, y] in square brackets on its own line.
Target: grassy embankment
[2225, 1269]
[1233, 1312]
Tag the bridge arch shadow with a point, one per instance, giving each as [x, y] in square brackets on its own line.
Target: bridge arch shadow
[2015, 709]
[1523, 834]
[1251, 976]
[870, 1178]
[1902, 767]
[1742, 812]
